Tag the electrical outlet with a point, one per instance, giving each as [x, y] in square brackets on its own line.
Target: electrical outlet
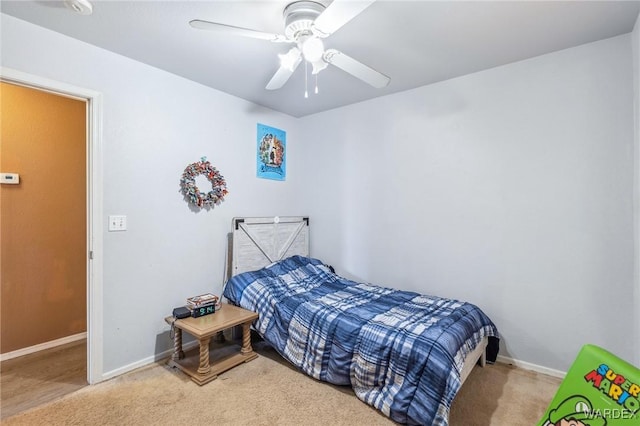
[117, 223]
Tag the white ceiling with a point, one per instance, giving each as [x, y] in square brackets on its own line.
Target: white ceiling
[413, 42]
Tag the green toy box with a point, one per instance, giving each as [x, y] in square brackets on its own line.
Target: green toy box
[599, 389]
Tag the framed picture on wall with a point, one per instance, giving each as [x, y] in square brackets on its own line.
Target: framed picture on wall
[271, 153]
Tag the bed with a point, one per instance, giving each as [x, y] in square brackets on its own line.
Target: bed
[404, 353]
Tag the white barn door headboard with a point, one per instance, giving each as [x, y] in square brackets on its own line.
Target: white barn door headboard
[260, 241]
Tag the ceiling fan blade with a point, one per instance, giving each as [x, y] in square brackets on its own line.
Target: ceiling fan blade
[288, 64]
[356, 69]
[338, 13]
[238, 31]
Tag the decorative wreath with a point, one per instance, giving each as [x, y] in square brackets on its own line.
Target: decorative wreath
[193, 193]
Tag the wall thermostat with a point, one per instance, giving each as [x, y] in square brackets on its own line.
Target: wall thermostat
[11, 178]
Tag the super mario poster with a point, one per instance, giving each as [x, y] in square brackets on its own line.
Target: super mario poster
[271, 153]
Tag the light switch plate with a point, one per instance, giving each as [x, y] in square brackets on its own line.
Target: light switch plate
[117, 223]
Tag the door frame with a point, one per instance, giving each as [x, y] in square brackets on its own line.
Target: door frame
[94, 195]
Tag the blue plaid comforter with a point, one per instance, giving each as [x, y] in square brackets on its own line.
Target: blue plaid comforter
[400, 351]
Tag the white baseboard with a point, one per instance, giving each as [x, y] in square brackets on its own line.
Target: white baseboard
[532, 367]
[146, 361]
[43, 346]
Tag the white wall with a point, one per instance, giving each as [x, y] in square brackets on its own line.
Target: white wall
[155, 124]
[511, 188]
[635, 35]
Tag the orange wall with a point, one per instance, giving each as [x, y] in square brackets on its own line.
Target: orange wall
[43, 219]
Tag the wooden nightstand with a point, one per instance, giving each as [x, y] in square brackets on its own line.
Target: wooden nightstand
[198, 365]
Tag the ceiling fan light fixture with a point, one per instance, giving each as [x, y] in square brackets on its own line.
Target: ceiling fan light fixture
[312, 49]
[318, 66]
[290, 59]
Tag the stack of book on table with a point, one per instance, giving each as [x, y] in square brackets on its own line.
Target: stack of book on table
[203, 304]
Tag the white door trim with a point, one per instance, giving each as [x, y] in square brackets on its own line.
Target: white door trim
[94, 206]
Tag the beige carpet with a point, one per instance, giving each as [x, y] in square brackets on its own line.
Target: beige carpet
[268, 391]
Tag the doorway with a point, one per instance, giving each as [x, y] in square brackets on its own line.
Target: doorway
[93, 205]
[43, 238]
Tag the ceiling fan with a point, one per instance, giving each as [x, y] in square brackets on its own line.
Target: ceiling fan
[306, 24]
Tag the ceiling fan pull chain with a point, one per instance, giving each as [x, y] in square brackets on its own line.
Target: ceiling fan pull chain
[306, 93]
[316, 84]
